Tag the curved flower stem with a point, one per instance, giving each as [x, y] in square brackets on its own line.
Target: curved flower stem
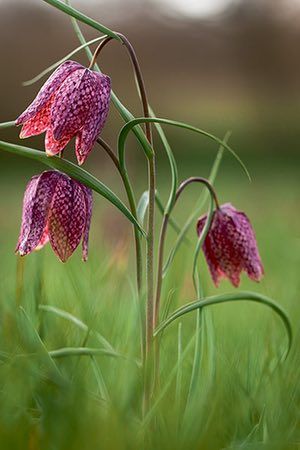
[161, 244]
[138, 73]
[163, 232]
[151, 209]
[132, 204]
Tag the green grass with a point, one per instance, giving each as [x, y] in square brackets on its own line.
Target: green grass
[241, 398]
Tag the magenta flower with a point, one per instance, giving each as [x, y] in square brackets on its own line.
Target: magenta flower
[58, 209]
[74, 101]
[230, 246]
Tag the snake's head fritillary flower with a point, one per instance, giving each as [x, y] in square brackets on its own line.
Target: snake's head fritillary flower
[57, 209]
[230, 246]
[74, 101]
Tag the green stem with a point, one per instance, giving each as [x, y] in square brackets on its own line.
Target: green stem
[163, 232]
[132, 205]
[150, 255]
[148, 368]
[152, 188]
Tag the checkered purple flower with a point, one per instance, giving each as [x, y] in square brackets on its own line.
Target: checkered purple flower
[230, 246]
[57, 209]
[74, 101]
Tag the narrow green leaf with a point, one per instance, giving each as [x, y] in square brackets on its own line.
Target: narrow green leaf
[179, 373]
[58, 63]
[64, 315]
[34, 343]
[164, 389]
[148, 149]
[103, 391]
[142, 207]
[240, 296]
[81, 351]
[173, 165]
[73, 319]
[75, 172]
[87, 351]
[82, 17]
[7, 124]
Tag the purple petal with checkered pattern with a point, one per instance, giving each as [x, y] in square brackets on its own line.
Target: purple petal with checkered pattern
[67, 217]
[88, 197]
[230, 246]
[58, 209]
[48, 89]
[73, 102]
[96, 119]
[36, 204]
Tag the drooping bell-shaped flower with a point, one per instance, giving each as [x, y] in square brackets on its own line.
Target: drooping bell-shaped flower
[74, 101]
[230, 246]
[57, 209]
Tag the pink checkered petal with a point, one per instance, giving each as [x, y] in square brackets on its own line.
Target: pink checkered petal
[38, 123]
[52, 146]
[226, 247]
[252, 261]
[88, 197]
[36, 205]
[230, 246]
[67, 217]
[72, 104]
[213, 264]
[44, 239]
[48, 89]
[96, 119]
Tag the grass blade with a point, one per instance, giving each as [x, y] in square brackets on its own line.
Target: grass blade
[148, 149]
[4, 125]
[173, 166]
[73, 319]
[81, 351]
[142, 207]
[241, 296]
[36, 345]
[57, 63]
[67, 9]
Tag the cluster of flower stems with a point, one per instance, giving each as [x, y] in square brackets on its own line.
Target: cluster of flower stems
[153, 295]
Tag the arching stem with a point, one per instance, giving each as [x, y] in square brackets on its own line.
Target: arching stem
[163, 232]
[151, 209]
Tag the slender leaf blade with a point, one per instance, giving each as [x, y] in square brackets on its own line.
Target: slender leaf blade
[75, 172]
[224, 298]
[70, 11]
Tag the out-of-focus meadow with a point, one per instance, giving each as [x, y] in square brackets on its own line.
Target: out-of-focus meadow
[237, 69]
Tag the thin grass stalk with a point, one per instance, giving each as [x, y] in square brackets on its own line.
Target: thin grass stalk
[19, 280]
[132, 205]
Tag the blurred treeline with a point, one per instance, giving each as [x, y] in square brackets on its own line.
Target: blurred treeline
[239, 70]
